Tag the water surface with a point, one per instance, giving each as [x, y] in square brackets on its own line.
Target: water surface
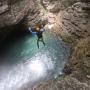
[23, 64]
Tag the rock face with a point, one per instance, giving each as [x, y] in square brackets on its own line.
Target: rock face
[74, 16]
[63, 83]
[76, 20]
[79, 61]
[57, 5]
[73, 19]
[13, 11]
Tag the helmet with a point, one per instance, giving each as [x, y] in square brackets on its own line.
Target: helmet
[37, 26]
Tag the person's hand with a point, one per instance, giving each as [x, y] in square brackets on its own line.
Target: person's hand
[29, 28]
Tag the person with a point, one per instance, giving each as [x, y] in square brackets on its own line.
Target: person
[39, 32]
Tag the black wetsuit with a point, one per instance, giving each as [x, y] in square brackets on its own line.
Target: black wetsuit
[39, 35]
[40, 38]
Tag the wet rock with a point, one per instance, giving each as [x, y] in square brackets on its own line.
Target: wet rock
[13, 12]
[63, 83]
[67, 70]
[56, 6]
[87, 63]
[77, 20]
[88, 76]
[78, 61]
[3, 9]
[74, 21]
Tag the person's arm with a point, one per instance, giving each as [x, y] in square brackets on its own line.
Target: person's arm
[42, 29]
[30, 29]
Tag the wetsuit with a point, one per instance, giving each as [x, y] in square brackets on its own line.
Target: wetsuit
[39, 35]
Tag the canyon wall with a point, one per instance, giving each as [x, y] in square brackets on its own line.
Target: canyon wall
[74, 25]
[73, 21]
[13, 11]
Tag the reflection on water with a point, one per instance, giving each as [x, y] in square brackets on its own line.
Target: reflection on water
[25, 64]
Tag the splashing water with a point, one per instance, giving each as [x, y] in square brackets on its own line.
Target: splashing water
[25, 65]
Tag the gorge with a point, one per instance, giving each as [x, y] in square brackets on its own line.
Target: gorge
[63, 64]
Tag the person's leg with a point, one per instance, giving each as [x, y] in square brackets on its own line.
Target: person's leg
[43, 41]
[40, 39]
[38, 43]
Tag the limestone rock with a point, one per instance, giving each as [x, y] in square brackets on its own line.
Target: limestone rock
[12, 12]
[76, 20]
[67, 83]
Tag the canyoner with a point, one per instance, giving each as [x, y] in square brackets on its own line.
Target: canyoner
[38, 30]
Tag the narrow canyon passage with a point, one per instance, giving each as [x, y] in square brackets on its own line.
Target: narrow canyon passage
[24, 65]
[63, 63]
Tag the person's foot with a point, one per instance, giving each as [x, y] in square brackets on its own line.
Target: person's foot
[38, 46]
[44, 43]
